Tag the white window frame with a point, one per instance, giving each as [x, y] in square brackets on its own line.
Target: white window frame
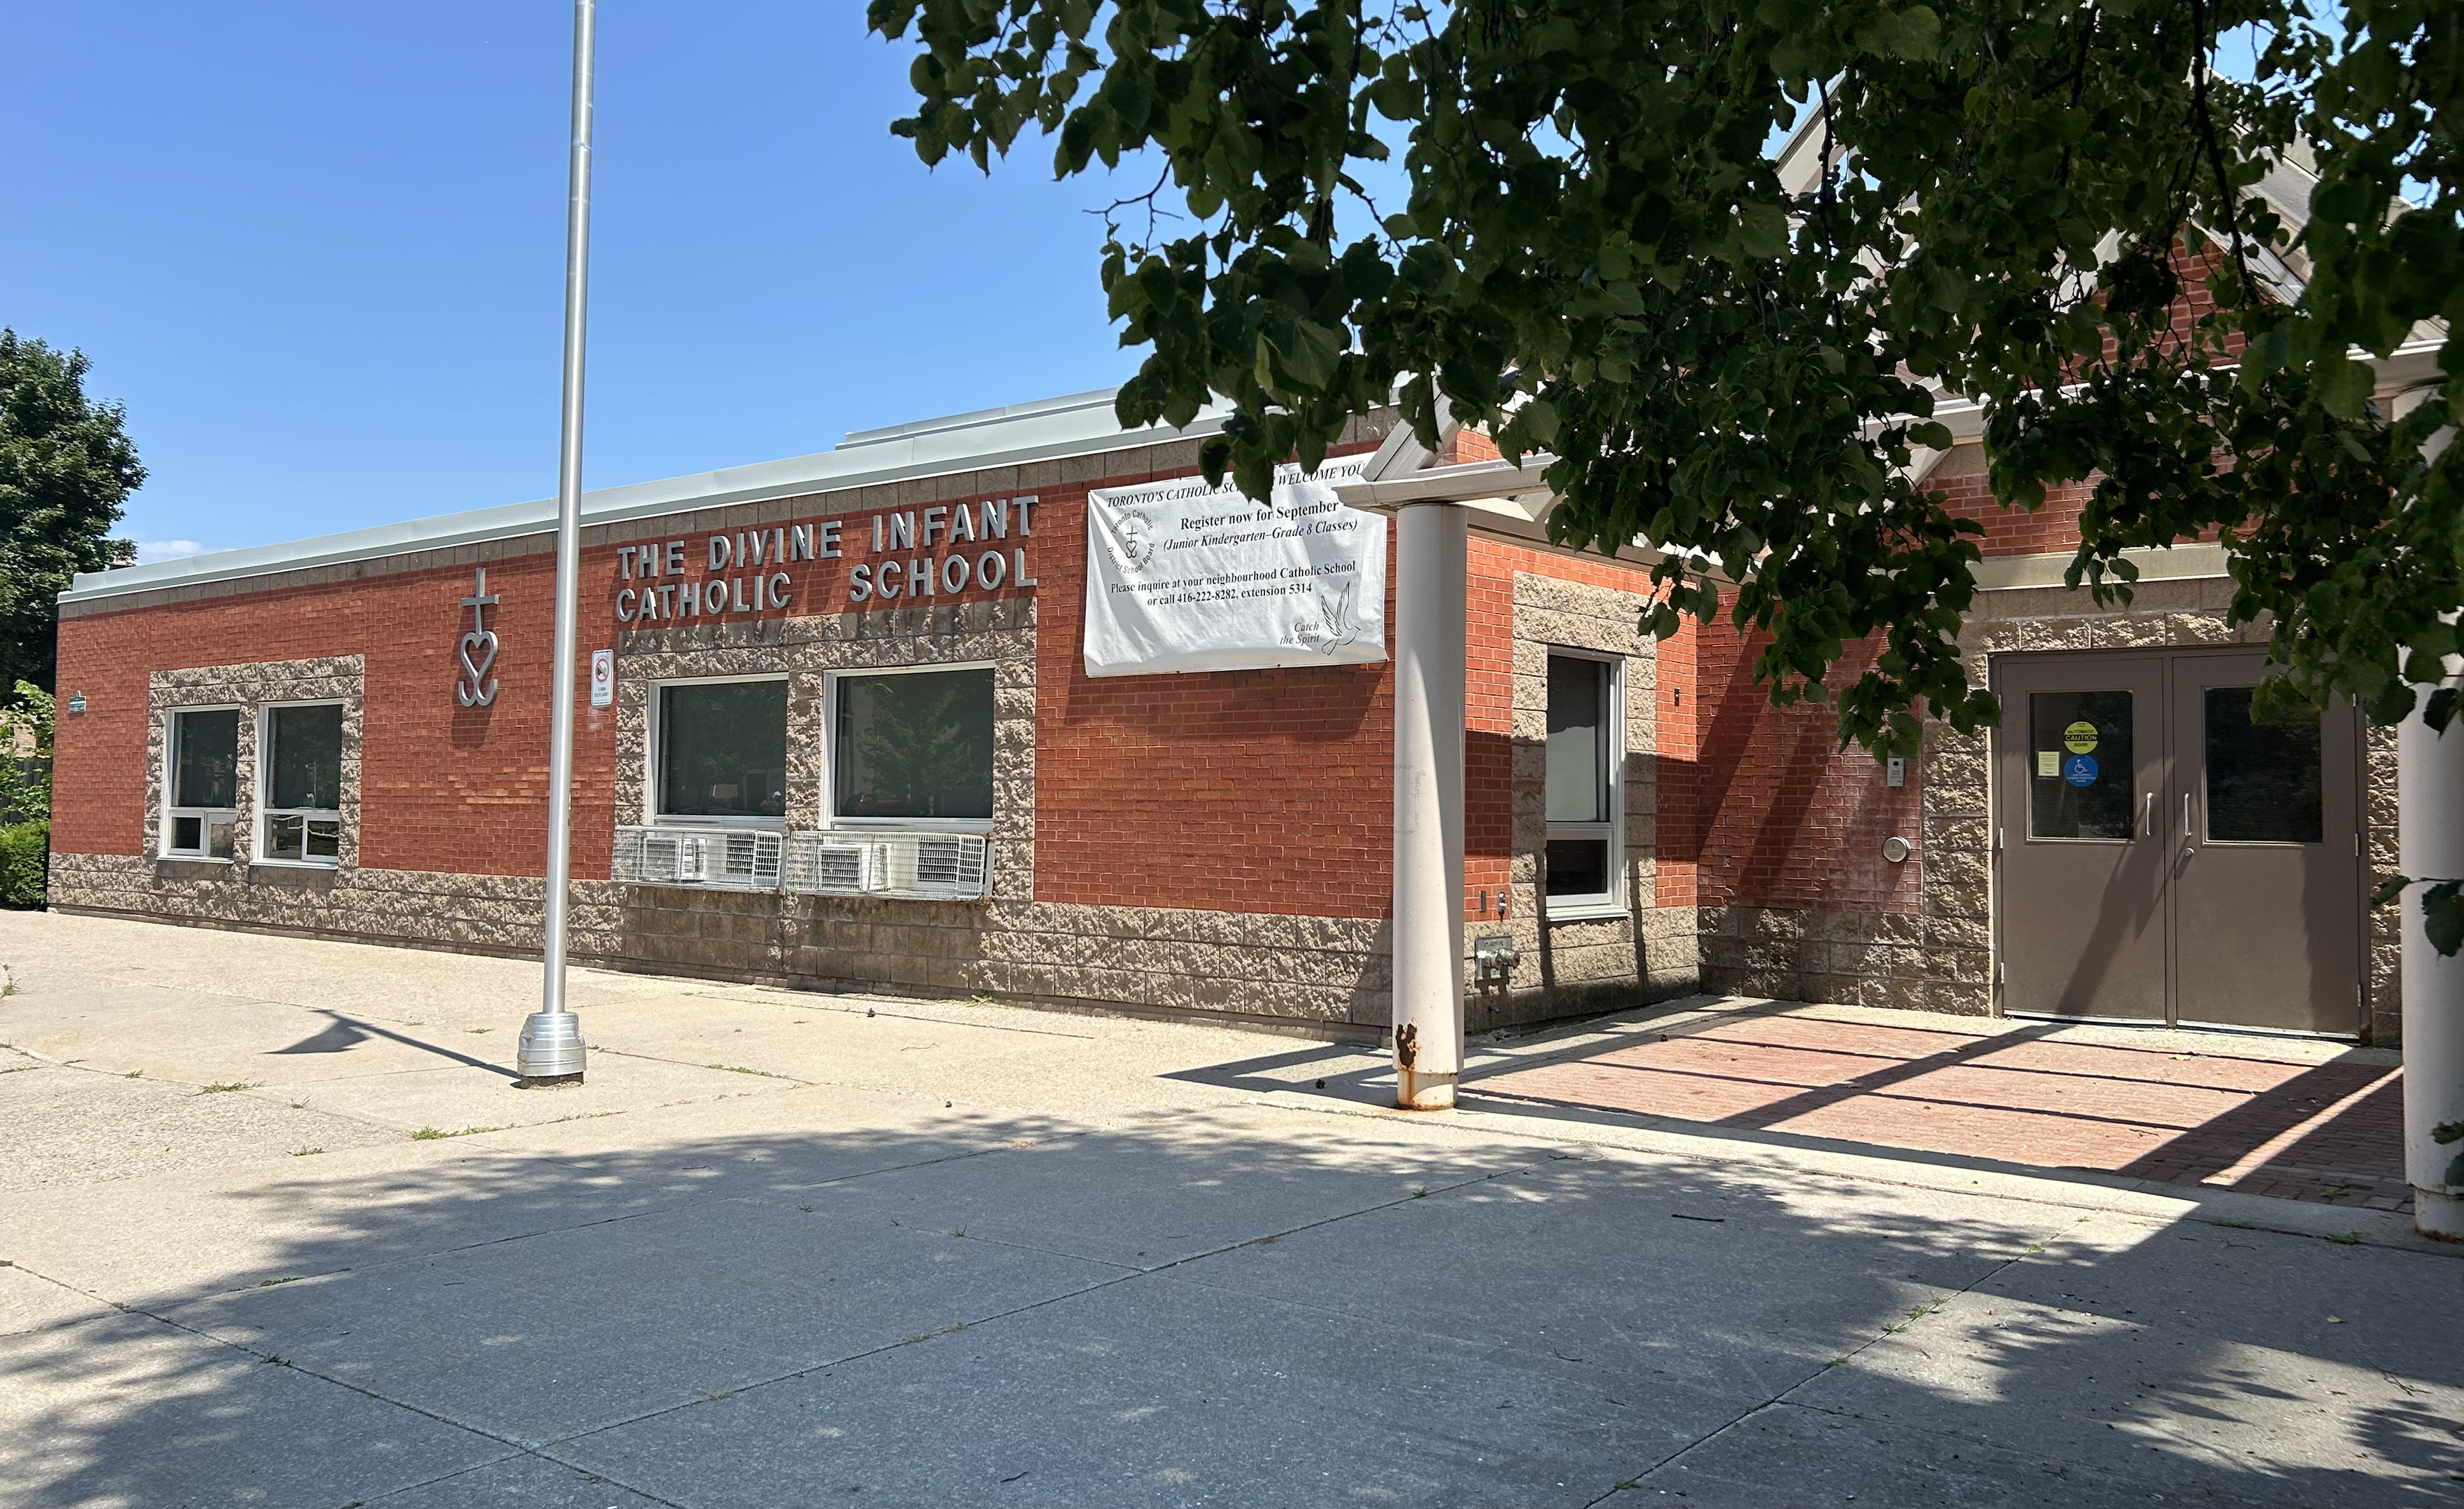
[163, 846]
[266, 813]
[830, 818]
[1612, 902]
[653, 781]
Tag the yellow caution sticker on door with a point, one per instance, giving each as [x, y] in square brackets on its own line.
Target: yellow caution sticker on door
[2049, 763]
[2079, 738]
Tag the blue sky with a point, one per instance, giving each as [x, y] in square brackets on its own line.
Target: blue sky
[318, 250]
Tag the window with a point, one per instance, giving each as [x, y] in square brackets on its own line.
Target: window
[913, 746]
[2266, 781]
[722, 752]
[302, 789]
[2085, 782]
[203, 779]
[1585, 789]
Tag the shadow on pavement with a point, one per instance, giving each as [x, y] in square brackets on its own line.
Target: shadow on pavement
[1021, 1311]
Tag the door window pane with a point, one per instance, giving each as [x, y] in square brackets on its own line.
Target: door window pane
[723, 750]
[2082, 782]
[915, 745]
[2264, 780]
[1578, 867]
[208, 773]
[1577, 740]
[304, 769]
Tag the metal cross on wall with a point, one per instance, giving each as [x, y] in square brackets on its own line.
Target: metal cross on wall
[475, 687]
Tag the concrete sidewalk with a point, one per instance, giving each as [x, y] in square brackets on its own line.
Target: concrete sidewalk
[792, 1249]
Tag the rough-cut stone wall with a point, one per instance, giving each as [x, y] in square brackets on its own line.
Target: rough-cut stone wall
[1570, 965]
[1326, 971]
[2383, 967]
[1312, 970]
[1001, 630]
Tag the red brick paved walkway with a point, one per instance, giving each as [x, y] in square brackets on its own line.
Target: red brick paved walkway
[2234, 1119]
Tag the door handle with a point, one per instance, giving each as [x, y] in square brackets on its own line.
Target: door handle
[2147, 822]
[2186, 814]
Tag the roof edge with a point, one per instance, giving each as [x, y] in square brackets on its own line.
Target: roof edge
[904, 453]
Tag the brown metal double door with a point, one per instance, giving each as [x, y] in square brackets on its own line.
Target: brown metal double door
[2162, 858]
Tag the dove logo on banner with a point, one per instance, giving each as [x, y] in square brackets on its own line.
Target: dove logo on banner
[1182, 576]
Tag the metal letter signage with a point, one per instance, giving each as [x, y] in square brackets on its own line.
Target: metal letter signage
[476, 687]
[1182, 576]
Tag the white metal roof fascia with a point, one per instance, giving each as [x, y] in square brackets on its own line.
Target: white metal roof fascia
[1074, 425]
[2409, 365]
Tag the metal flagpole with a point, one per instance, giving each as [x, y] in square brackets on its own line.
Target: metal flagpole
[551, 1048]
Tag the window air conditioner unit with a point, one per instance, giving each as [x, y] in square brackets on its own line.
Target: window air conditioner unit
[818, 864]
[745, 859]
[652, 857]
[844, 869]
[937, 865]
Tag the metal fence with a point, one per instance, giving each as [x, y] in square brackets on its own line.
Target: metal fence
[918, 866]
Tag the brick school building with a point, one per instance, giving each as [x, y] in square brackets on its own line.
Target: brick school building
[847, 723]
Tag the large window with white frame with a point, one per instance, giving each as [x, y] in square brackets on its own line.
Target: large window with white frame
[1585, 783]
[911, 748]
[718, 752]
[201, 770]
[300, 784]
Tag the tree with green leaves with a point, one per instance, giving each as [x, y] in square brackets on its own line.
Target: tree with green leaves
[66, 467]
[1564, 219]
[25, 796]
[1593, 251]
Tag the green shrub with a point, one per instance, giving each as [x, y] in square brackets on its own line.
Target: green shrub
[25, 856]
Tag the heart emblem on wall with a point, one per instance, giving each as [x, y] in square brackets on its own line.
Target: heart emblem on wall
[476, 689]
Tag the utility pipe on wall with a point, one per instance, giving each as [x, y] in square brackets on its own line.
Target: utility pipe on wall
[1428, 930]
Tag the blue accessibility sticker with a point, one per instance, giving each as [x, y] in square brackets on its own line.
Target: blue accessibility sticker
[2080, 769]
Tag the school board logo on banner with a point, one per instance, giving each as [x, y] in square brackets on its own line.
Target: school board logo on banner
[1182, 576]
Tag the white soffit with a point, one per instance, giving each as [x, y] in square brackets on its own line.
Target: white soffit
[1081, 424]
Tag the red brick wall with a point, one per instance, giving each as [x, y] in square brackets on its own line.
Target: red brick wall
[441, 787]
[1262, 791]
[1488, 696]
[1256, 790]
[2050, 530]
[1779, 814]
[1235, 790]
[1488, 713]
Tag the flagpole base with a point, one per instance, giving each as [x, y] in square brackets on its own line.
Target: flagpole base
[550, 1051]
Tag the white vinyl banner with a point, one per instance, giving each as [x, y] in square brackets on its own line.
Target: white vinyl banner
[1182, 576]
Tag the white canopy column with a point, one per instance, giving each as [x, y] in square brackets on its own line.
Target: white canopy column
[2430, 830]
[2429, 839]
[1437, 504]
[1429, 654]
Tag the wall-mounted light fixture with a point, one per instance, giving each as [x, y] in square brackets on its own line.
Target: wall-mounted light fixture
[76, 703]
